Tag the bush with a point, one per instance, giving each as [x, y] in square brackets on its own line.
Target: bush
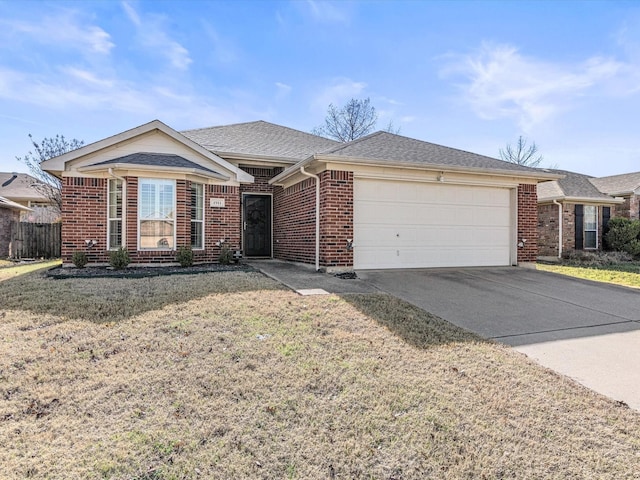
[623, 235]
[119, 259]
[587, 258]
[79, 259]
[226, 255]
[185, 256]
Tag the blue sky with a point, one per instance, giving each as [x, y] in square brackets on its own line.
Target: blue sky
[470, 75]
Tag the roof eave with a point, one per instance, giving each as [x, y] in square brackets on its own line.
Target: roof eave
[153, 168]
[565, 198]
[412, 165]
[253, 158]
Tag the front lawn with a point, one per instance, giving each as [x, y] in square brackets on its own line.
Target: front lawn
[226, 375]
[626, 274]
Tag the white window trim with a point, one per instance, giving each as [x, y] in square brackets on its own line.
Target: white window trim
[175, 199]
[203, 215]
[584, 229]
[110, 219]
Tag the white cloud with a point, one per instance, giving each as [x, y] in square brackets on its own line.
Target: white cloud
[339, 92]
[66, 29]
[500, 82]
[152, 36]
[327, 12]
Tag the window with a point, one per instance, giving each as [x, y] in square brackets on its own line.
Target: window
[590, 226]
[156, 214]
[114, 213]
[197, 216]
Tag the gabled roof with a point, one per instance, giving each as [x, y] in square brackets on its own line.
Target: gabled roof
[623, 184]
[20, 186]
[574, 186]
[260, 139]
[384, 148]
[155, 160]
[56, 165]
[6, 203]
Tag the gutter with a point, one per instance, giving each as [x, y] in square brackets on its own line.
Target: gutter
[307, 174]
[559, 227]
[124, 207]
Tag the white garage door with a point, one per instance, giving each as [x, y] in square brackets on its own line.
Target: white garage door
[401, 224]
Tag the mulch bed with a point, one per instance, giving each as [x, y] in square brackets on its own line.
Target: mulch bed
[141, 272]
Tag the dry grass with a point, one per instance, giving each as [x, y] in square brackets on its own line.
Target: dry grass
[12, 270]
[625, 275]
[268, 384]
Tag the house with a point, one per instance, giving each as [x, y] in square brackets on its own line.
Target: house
[9, 214]
[27, 191]
[625, 186]
[572, 214]
[382, 201]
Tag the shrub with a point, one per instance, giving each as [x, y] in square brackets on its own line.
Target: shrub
[79, 259]
[623, 235]
[185, 256]
[588, 258]
[226, 255]
[119, 259]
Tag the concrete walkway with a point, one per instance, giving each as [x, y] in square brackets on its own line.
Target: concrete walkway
[303, 278]
[585, 330]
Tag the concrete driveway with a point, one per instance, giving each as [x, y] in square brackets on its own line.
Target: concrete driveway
[586, 330]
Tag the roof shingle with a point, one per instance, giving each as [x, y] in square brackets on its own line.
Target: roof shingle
[156, 159]
[575, 185]
[618, 184]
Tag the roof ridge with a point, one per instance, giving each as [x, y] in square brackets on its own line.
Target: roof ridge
[617, 175]
[222, 126]
[342, 145]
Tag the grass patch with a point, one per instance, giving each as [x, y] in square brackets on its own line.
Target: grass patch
[264, 383]
[11, 270]
[626, 274]
[114, 299]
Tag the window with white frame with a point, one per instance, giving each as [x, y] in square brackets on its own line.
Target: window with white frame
[114, 213]
[156, 214]
[590, 223]
[197, 216]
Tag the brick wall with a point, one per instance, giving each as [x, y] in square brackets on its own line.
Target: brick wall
[528, 222]
[336, 218]
[84, 216]
[548, 230]
[294, 222]
[629, 209]
[7, 217]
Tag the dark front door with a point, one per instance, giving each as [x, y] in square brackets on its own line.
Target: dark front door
[257, 225]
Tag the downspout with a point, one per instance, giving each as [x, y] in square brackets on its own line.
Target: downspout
[304, 172]
[559, 227]
[124, 207]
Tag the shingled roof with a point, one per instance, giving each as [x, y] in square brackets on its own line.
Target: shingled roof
[397, 148]
[573, 185]
[261, 139]
[156, 160]
[618, 184]
[20, 186]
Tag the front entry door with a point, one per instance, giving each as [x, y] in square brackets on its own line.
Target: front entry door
[257, 225]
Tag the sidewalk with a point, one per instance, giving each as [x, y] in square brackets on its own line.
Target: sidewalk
[305, 280]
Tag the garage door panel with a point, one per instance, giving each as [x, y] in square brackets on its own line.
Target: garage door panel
[410, 225]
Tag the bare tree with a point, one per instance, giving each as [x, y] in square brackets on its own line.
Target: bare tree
[356, 119]
[48, 185]
[522, 154]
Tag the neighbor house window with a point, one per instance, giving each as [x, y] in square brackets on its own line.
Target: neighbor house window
[156, 214]
[114, 209]
[590, 226]
[197, 216]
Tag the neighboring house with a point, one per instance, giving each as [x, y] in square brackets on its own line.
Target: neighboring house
[625, 186]
[22, 189]
[382, 201]
[572, 214]
[9, 214]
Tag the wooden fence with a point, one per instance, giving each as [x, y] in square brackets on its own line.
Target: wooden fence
[35, 240]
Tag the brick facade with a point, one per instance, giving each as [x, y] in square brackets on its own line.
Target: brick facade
[84, 217]
[7, 217]
[629, 209]
[336, 218]
[528, 223]
[294, 226]
[548, 231]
